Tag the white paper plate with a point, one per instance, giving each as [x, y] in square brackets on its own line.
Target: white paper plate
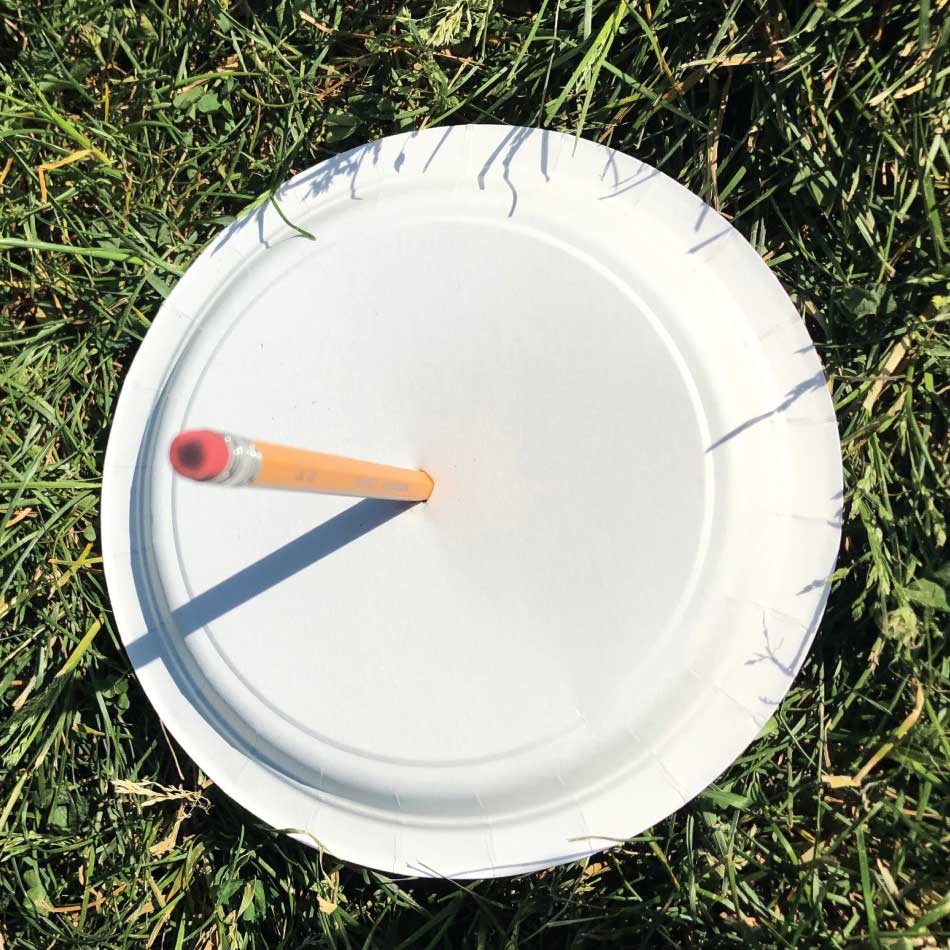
[625, 559]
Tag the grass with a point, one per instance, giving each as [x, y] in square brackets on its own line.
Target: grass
[130, 132]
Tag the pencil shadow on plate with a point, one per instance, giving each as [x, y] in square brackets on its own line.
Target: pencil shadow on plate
[269, 571]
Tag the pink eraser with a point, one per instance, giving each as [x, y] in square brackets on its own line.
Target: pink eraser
[199, 453]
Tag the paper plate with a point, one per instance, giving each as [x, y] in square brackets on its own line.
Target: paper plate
[637, 503]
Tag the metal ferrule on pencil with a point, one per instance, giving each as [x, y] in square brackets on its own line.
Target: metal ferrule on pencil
[244, 462]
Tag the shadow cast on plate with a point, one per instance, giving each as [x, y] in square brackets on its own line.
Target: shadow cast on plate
[791, 397]
[268, 571]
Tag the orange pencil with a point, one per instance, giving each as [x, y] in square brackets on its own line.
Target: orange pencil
[227, 459]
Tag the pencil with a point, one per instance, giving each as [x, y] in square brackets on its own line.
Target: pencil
[225, 459]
